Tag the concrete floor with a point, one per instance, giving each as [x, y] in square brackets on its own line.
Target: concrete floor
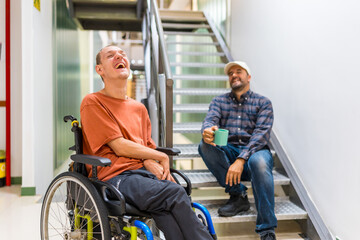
[20, 219]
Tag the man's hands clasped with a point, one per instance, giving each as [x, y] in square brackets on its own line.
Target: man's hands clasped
[160, 169]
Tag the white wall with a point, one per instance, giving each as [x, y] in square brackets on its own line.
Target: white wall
[16, 89]
[37, 95]
[43, 95]
[304, 55]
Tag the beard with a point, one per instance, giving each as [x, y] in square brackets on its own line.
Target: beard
[237, 86]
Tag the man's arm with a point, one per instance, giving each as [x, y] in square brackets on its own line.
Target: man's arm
[126, 148]
[211, 122]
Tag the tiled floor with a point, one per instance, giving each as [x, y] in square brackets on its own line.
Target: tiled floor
[19, 216]
[20, 219]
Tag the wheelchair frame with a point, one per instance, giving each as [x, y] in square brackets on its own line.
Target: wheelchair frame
[78, 207]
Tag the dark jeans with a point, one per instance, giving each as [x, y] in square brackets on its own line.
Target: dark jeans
[165, 201]
[258, 170]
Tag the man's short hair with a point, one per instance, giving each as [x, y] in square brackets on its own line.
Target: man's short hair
[98, 55]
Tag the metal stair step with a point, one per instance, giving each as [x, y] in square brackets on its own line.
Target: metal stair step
[107, 2]
[110, 10]
[197, 64]
[196, 34]
[183, 19]
[200, 91]
[187, 151]
[191, 150]
[191, 108]
[189, 127]
[193, 43]
[204, 178]
[217, 54]
[182, 15]
[284, 210]
[184, 26]
[118, 15]
[201, 77]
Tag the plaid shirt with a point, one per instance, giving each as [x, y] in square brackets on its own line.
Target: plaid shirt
[249, 120]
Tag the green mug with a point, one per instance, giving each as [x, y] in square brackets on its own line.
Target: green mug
[221, 137]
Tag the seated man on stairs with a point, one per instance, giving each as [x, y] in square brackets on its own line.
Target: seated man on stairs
[118, 128]
[249, 118]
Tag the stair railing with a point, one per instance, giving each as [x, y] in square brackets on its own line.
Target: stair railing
[158, 74]
[219, 38]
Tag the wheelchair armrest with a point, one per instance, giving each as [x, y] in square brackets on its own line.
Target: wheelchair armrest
[169, 151]
[92, 160]
[188, 187]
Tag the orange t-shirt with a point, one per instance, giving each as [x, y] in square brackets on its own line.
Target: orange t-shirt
[104, 119]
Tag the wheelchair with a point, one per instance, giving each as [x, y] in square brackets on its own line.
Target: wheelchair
[78, 207]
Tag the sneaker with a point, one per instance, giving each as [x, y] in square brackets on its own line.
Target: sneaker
[268, 236]
[235, 205]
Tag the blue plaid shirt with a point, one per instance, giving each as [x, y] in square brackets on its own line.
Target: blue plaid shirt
[249, 120]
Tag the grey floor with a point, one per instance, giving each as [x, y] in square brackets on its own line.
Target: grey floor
[20, 219]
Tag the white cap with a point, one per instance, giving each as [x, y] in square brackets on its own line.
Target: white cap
[236, 63]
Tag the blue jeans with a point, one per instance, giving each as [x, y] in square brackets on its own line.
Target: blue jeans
[258, 170]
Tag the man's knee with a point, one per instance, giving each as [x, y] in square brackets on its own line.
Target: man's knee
[177, 195]
[261, 162]
[203, 147]
[206, 150]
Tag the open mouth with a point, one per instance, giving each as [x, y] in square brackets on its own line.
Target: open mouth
[120, 65]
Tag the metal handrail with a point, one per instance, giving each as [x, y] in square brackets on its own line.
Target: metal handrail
[165, 104]
[220, 40]
[158, 22]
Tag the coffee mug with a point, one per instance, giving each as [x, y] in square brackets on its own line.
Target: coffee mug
[221, 137]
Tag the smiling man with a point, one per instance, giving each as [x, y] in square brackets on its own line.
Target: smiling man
[118, 128]
[249, 118]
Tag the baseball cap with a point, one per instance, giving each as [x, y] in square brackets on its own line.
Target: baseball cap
[236, 63]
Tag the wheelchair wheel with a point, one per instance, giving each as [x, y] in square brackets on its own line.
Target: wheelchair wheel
[73, 209]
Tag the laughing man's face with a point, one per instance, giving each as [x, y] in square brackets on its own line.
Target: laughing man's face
[114, 63]
[238, 78]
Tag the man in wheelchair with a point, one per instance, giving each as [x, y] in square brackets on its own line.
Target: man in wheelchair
[118, 128]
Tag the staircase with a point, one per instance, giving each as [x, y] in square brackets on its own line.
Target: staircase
[197, 57]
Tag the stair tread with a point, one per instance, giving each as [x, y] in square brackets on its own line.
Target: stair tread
[181, 13]
[189, 127]
[182, 19]
[184, 26]
[201, 91]
[218, 54]
[187, 151]
[204, 178]
[189, 33]
[199, 77]
[197, 64]
[284, 210]
[190, 150]
[193, 43]
[191, 108]
[107, 2]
